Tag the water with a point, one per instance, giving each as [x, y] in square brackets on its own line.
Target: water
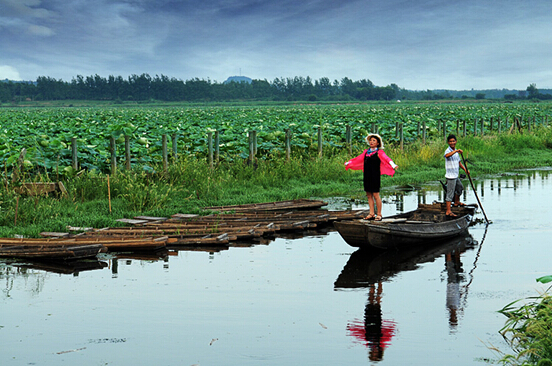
[308, 301]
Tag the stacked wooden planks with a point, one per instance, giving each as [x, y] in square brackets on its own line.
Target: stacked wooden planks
[220, 227]
[224, 228]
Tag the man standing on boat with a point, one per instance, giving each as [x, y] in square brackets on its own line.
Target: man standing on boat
[453, 163]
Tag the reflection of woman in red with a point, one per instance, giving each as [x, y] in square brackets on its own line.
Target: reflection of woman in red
[375, 333]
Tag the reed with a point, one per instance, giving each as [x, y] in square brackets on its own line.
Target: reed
[528, 330]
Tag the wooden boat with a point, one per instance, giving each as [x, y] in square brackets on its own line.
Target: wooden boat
[51, 252]
[426, 224]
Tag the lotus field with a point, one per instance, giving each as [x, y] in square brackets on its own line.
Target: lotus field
[47, 133]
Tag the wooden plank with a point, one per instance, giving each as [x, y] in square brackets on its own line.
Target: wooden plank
[36, 189]
[77, 228]
[150, 218]
[184, 216]
[106, 241]
[60, 251]
[419, 222]
[199, 241]
[389, 221]
[62, 189]
[54, 234]
[132, 221]
[278, 205]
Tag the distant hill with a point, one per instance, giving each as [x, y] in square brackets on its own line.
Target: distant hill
[238, 79]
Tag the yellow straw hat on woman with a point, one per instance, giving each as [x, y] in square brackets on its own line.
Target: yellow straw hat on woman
[378, 137]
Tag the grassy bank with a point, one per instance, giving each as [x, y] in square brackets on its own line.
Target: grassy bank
[191, 184]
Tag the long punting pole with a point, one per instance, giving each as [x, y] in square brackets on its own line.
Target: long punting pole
[473, 187]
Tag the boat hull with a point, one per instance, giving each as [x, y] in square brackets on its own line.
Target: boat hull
[424, 225]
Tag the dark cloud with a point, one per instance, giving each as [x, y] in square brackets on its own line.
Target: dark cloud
[415, 44]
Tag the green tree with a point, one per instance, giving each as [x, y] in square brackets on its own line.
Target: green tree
[532, 91]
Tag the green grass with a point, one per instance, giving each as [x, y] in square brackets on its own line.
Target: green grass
[190, 184]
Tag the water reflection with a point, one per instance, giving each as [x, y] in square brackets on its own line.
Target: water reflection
[34, 273]
[454, 276]
[69, 267]
[375, 332]
[11, 269]
[371, 270]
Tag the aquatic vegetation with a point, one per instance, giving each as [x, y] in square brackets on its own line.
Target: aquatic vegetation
[49, 134]
[528, 329]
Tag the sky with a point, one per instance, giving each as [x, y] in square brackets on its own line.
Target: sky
[418, 45]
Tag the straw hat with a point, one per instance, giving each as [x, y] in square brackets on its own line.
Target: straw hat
[378, 137]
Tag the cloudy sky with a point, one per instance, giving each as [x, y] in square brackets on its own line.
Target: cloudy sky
[418, 44]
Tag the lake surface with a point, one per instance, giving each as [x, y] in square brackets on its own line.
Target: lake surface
[307, 301]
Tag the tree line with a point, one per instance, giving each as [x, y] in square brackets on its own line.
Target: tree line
[163, 88]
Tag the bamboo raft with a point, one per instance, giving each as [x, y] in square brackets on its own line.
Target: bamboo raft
[221, 227]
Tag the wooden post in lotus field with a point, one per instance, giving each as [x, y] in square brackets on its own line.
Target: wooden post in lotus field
[320, 142]
[165, 152]
[424, 132]
[288, 144]
[482, 127]
[174, 139]
[109, 193]
[251, 147]
[20, 163]
[498, 125]
[217, 147]
[127, 152]
[464, 128]
[210, 148]
[75, 159]
[445, 130]
[255, 143]
[113, 148]
[349, 139]
[401, 136]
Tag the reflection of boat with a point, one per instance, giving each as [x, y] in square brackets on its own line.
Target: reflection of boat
[425, 224]
[366, 267]
[371, 268]
[66, 267]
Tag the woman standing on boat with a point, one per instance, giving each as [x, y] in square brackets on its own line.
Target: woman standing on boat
[374, 162]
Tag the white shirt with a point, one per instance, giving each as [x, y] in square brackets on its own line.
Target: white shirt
[452, 164]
